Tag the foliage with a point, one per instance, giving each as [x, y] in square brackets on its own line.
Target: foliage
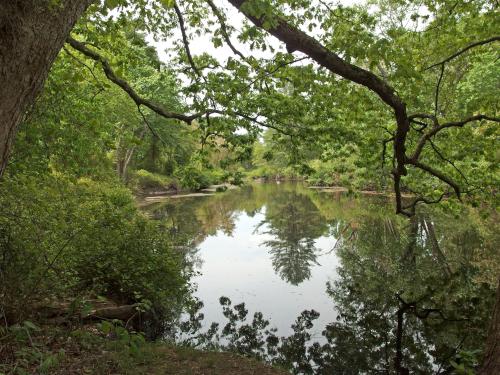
[144, 181]
[193, 177]
[69, 227]
[63, 238]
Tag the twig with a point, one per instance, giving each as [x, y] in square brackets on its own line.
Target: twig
[223, 29]
[463, 50]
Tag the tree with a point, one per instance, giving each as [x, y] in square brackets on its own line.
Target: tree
[32, 33]
[419, 127]
[294, 224]
[264, 16]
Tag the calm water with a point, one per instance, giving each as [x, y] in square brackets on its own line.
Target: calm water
[267, 245]
[276, 247]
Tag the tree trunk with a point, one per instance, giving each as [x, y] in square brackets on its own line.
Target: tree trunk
[31, 34]
[491, 359]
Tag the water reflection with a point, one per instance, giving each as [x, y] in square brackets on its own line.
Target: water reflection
[409, 296]
[294, 223]
[403, 295]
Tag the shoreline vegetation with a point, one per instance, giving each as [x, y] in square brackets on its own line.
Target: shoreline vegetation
[108, 348]
[157, 193]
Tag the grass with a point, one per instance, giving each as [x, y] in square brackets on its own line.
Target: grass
[187, 361]
[92, 350]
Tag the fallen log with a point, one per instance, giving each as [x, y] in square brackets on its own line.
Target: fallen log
[124, 313]
[95, 310]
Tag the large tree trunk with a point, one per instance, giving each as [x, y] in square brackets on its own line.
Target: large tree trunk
[31, 34]
[491, 359]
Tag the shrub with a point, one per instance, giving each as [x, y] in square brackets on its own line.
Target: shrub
[193, 178]
[63, 238]
[236, 178]
[142, 180]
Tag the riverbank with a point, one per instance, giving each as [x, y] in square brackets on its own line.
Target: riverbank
[147, 198]
[105, 349]
[340, 189]
[329, 188]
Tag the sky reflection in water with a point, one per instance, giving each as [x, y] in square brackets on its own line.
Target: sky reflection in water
[266, 245]
[240, 267]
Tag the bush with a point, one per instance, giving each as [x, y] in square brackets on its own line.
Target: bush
[63, 238]
[216, 175]
[142, 180]
[193, 178]
[265, 172]
[323, 173]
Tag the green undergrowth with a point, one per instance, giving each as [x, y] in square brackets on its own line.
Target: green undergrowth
[188, 178]
[109, 348]
[63, 238]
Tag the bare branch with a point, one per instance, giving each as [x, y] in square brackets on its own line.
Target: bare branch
[465, 49]
[223, 28]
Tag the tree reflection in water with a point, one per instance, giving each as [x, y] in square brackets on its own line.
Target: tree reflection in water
[295, 223]
[412, 296]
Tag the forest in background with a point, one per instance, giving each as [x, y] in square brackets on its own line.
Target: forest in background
[113, 121]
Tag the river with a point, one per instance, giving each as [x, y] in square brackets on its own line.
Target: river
[284, 248]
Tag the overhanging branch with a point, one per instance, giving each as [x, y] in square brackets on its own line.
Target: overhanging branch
[297, 40]
[155, 107]
[223, 28]
[124, 85]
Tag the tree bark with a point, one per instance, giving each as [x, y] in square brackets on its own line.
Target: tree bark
[491, 359]
[31, 34]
